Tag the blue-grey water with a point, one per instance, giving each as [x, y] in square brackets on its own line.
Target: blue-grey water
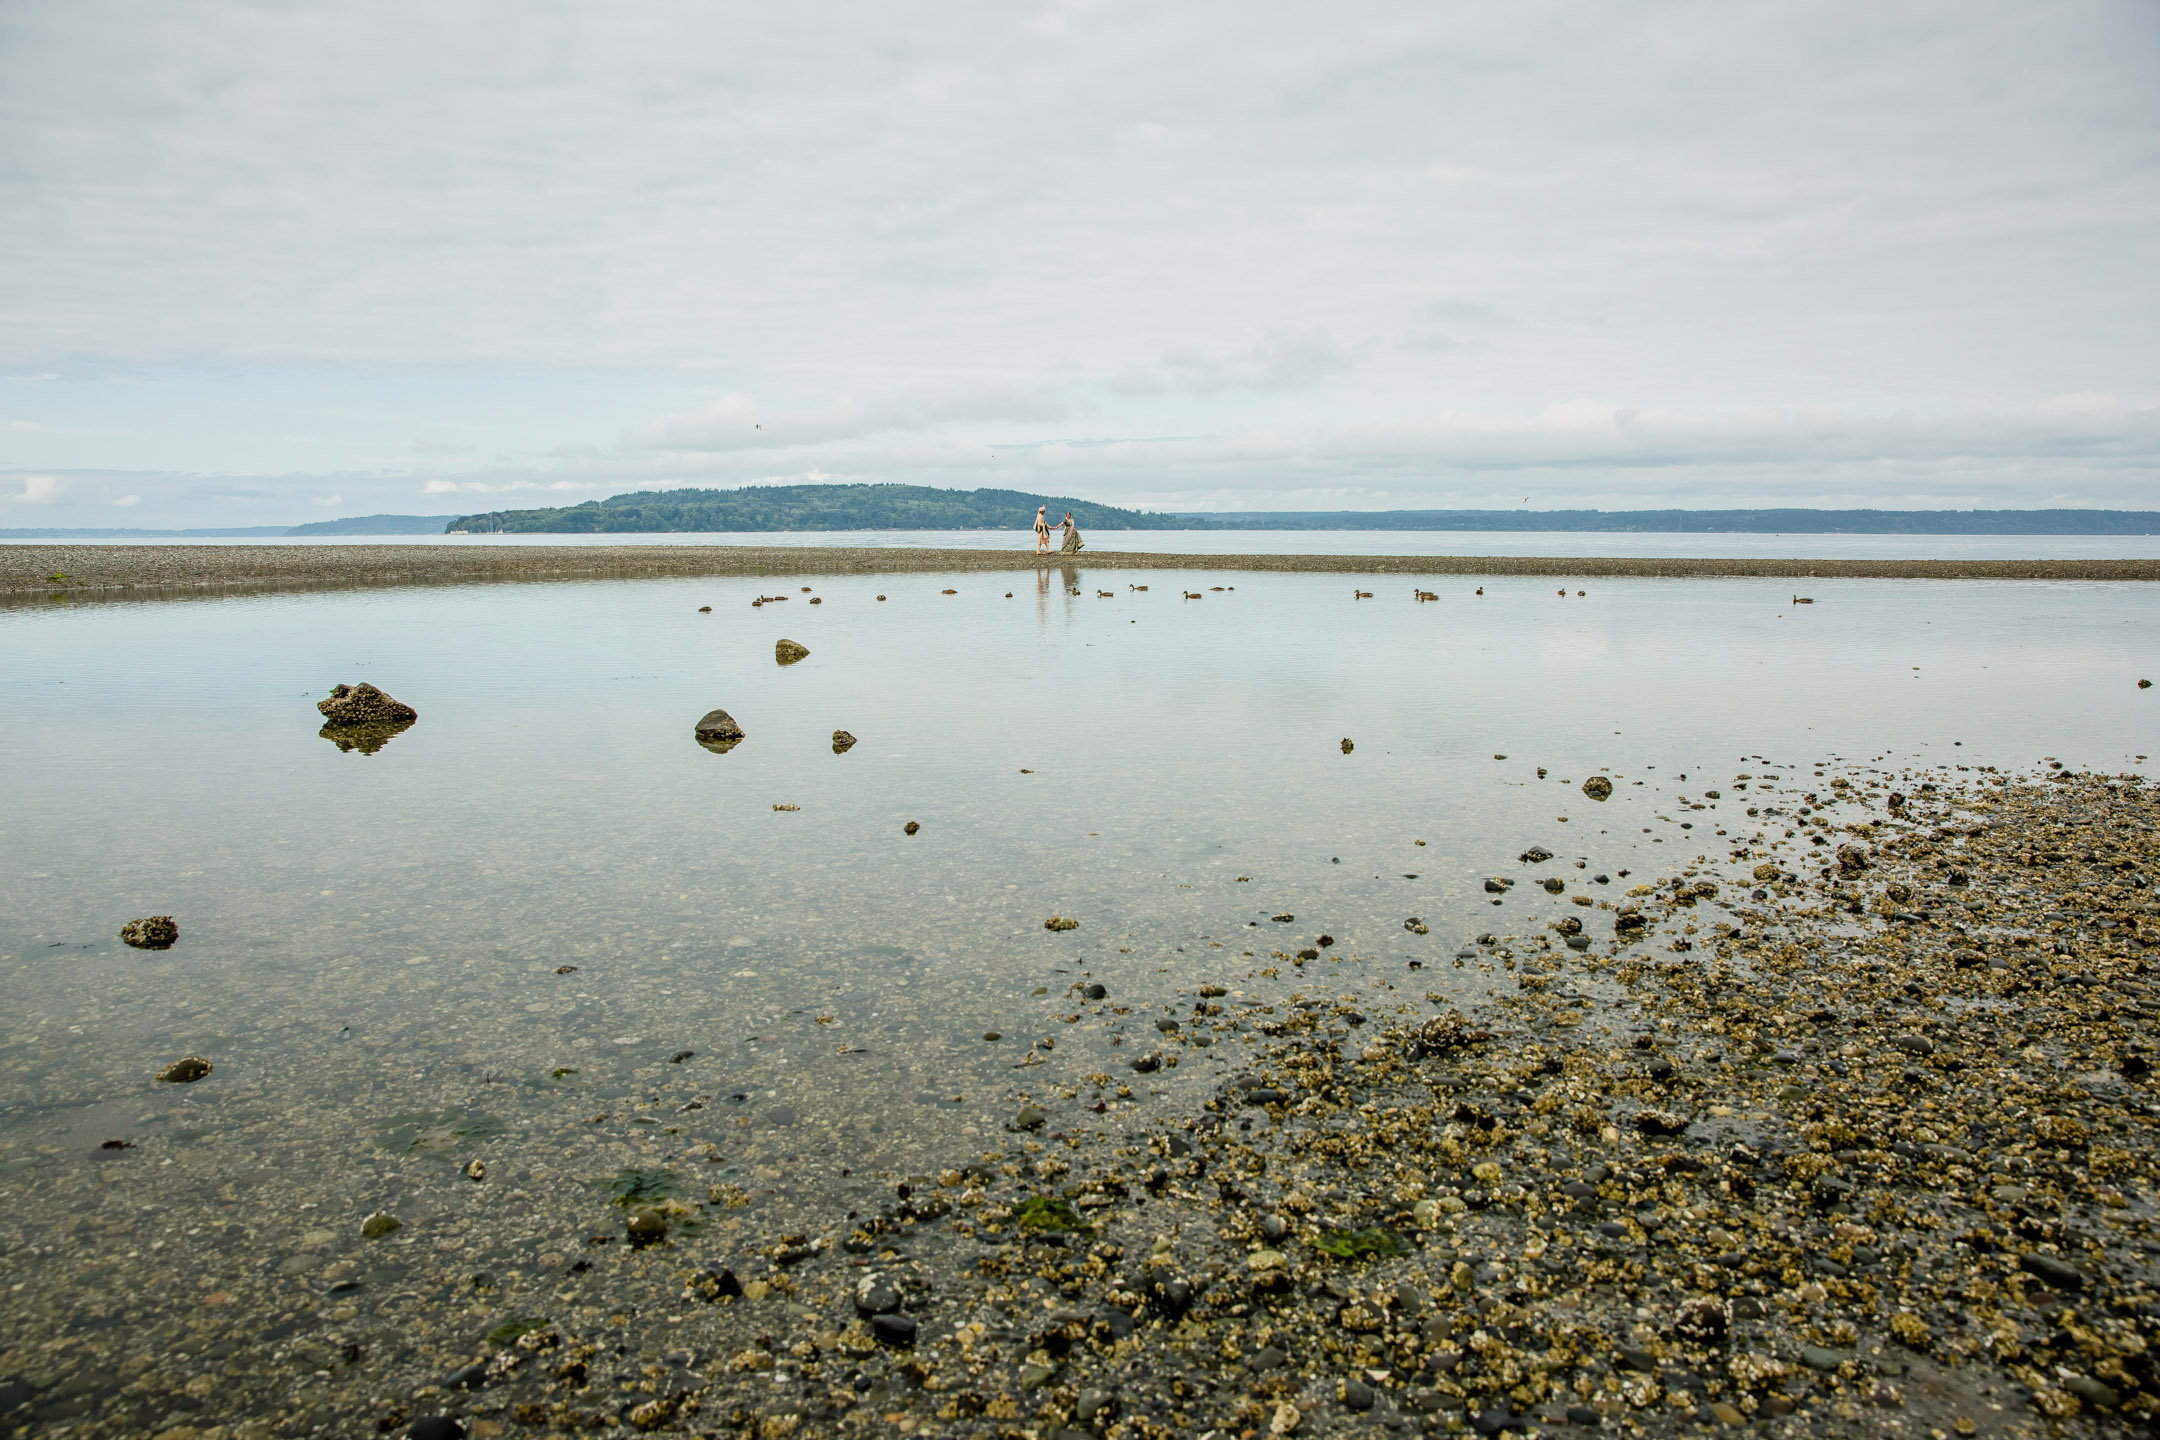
[544, 937]
[365, 936]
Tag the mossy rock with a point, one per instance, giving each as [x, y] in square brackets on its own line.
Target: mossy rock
[1042, 1212]
[1372, 1242]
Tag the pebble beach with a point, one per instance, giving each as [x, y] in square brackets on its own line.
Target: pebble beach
[1844, 1130]
[43, 572]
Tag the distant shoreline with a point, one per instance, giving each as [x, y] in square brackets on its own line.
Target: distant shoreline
[108, 572]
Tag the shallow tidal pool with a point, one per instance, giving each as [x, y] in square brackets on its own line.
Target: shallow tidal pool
[544, 944]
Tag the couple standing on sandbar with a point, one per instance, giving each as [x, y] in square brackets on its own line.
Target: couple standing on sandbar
[1071, 545]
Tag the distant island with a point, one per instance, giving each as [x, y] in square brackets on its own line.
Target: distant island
[378, 525]
[812, 507]
[770, 508]
[921, 507]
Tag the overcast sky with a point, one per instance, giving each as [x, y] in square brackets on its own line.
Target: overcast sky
[262, 263]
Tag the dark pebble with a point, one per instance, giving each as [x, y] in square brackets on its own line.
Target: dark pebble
[1357, 1395]
[893, 1329]
[436, 1427]
[2057, 1274]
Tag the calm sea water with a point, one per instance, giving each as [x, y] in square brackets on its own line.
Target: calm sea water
[372, 944]
[1344, 542]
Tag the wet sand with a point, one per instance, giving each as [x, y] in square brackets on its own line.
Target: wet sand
[111, 572]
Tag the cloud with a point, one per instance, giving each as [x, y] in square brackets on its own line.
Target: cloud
[734, 422]
[328, 500]
[38, 490]
[1208, 249]
[126, 501]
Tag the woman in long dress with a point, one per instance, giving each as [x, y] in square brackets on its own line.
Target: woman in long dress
[1072, 536]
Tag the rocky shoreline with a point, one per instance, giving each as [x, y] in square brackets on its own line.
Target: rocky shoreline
[38, 573]
[1847, 1131]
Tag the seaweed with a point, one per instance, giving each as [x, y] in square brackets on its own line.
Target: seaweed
[1372, 1242]
[1042, 1212]
[634, 1187]
[510, 1331]
[427, 1134]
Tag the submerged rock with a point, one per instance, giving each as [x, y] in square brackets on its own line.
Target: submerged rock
[184, 1071]
[718, 732]
[787, 652]
[379, 1224]
[1597, 787]
[152, 932]
[1060, 922]
[361, 717]
[842, 742]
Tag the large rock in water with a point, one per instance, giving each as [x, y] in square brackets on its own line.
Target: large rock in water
[363, 704]
[1597, 787]
[718, 732]
[842, 742]
[361, 717]
[787, 652]
[152, 932]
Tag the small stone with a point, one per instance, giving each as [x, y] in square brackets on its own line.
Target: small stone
[787, 652]
[1060, 922]
[2058, 1274]
[2096, 1393]
[1267, 1357]
[379, 1224]
[646, 1227]
[1347, 746]
[1147, 1064]
[896, 1330]
[842, 742]
[184, 1071]
[718, 732]
[1584, 1415]
[477, 1170]
[1287, 1418]
[1597, 787]
[1091, 1404]
[1704, 1321]
[436, 1427]
[1728, 1414]
[911, 827]
[1093, 992]
[1356, 1394]
[993, 1035]
[876, 1295]
[152, 932]
[1032, 1376]
[1818, 1359]
[1029, 1118]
